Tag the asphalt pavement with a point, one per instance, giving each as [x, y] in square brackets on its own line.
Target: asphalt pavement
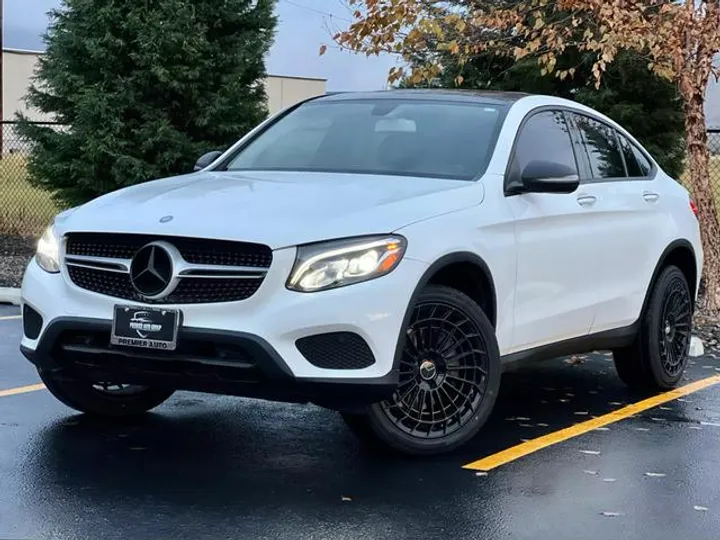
[215, 467]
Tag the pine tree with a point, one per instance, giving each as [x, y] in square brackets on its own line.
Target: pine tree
[143, 88]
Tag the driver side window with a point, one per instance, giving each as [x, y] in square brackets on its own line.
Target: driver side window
[544, 137]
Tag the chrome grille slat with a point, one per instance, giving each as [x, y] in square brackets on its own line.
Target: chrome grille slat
[100, 263]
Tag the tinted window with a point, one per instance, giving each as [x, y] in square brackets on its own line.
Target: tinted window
[631, 162]
[602, 148]
[644, 163]
[546, 137]
[393, 137]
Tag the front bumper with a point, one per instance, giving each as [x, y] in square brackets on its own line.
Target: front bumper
[259, 334]
[232, 363]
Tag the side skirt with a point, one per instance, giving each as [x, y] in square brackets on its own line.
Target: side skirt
[609, 339]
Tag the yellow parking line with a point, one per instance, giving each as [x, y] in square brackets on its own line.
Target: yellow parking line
[10, 317]
[529, 447]
[21, 390]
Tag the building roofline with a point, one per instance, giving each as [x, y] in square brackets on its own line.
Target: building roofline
[21, 51]
[269, 75]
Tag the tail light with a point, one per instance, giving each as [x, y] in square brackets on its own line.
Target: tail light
[693, 207]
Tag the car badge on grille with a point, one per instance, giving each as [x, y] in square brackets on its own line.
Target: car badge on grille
[151, 270]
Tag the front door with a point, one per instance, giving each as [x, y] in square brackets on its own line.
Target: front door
[558, 239]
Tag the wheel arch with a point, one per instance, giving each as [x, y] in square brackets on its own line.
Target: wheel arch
[452, 270]
[681, 254]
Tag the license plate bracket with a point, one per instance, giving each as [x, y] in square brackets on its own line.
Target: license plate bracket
[145, 328]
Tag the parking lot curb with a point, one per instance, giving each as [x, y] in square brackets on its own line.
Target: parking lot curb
[10, 295]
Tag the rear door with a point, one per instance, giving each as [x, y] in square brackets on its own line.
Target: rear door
[630, 216]
[559, 240]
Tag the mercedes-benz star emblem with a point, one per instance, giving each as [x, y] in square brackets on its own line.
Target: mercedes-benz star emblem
[151, 270]
[428, 370]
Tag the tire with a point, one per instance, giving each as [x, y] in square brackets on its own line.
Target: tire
[87, 398]
[658, 357]
[449, 379]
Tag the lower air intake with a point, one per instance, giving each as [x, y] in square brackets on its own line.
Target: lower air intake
[336, 350]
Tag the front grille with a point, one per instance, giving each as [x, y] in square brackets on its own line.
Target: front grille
[336, 350]
[203, 282]
[193, 250]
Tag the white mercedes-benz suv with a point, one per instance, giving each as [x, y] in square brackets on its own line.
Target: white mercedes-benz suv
[386, 255]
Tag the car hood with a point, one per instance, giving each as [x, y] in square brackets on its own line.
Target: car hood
[274, 208]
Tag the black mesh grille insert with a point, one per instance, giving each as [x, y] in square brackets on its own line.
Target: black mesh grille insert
[188, 291]
[193, 250]
[336, 350]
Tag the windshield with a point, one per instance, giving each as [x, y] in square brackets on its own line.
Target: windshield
[392, 137]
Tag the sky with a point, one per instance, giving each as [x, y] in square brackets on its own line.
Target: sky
[303, 26]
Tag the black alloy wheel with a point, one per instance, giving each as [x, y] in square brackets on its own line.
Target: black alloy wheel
[658, 357]
[449, 374]
[675, 323]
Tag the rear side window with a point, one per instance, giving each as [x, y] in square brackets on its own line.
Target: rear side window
[645, 165]
[637, 164]
[602, 148]
[631, 162]
[545, 137]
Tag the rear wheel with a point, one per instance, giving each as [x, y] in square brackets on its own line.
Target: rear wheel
[659, 355]
[449, 376]
[104, 399]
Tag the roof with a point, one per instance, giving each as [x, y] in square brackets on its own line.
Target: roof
[440, 94]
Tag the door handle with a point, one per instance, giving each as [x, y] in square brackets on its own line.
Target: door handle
[651, 196]
[586, 200]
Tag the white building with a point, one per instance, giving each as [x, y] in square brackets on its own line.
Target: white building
[19, 66]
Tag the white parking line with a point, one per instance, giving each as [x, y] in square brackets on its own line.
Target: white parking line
[10, 317]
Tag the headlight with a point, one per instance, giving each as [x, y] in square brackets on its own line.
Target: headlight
[338, 263]
[48, 251]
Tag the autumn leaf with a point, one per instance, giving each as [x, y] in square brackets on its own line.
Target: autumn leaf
[323, 49]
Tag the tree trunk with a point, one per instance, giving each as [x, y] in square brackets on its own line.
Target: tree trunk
[702, 191]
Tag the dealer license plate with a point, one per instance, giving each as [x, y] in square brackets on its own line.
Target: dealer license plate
[147, 328]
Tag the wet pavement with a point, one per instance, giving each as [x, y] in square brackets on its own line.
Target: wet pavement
[216, 467]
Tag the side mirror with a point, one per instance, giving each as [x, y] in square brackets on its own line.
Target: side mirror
[206, 159]
[549, 177]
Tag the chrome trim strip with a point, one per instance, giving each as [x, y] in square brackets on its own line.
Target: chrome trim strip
[183, 269]
[226, 276]
[99, 263]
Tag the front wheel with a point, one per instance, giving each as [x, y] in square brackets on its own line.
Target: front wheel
[659, 355]
[449, 376]
[103, 399]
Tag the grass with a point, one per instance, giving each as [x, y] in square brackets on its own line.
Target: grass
[24, 209]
